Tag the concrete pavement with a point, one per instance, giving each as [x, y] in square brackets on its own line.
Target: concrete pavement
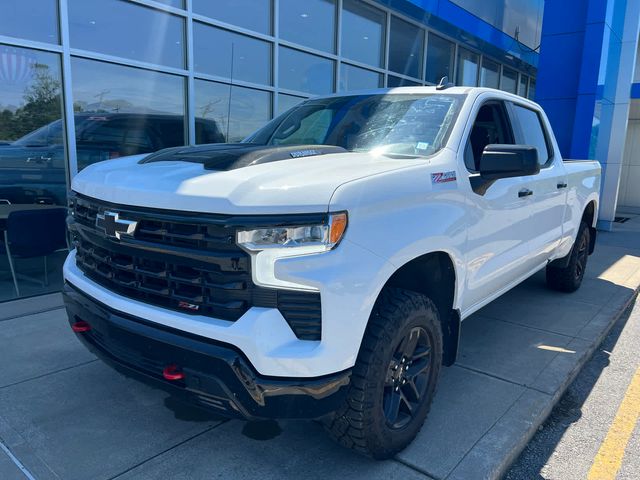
[566, 445]
[65, 415]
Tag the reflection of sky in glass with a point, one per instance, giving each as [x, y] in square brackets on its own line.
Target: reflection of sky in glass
[507, 15]
[151, 36]
[17, 71]
[99, 86]
[305, 72]
[212, 48]
[235, 12]
[17, 19]
[362, 32]
[405, 48]
[309, 22]
[355, 78]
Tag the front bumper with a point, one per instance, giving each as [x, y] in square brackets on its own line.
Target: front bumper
[216, 375]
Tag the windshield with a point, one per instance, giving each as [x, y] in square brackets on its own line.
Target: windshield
[402, 124]
[50, 134]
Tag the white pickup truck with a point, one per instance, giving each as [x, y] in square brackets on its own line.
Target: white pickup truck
[321, 268]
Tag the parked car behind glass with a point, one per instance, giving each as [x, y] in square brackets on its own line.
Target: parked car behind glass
[32, 168]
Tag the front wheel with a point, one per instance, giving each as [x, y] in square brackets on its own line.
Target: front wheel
[395, 376]
[569, 278]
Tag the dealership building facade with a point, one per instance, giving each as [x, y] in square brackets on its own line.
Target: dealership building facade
[87, 80]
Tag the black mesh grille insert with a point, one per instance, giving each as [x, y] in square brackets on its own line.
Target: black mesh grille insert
[185, 263]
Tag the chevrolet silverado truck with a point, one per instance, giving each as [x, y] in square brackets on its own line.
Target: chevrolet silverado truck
[321, 268]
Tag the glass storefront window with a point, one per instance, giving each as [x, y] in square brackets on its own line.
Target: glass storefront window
[32, 171]
[251, 14]
[467, 74]
[127, 30]
[305, 72]
[509, 80]
[310, 23]
[406, 43]
[490, 74]
[532, 89]
[286, 102]
[393, 82]
[213, 47]
[124, 111]
[17, 19]
[172, 3]
[522, 86]
[440, 58]
[356, 78]
[363, 32]
[234, 112]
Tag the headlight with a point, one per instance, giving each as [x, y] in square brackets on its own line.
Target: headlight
[304, 239]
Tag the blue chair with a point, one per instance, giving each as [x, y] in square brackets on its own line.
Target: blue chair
[34, 233]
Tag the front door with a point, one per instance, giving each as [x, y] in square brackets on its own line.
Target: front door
[498, 235]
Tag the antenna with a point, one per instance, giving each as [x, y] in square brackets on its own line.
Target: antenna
[230, 92]
[444, 83]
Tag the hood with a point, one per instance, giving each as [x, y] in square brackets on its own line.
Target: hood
[292, 185]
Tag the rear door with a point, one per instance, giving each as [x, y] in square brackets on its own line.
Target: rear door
[548, 188]
[498, 233]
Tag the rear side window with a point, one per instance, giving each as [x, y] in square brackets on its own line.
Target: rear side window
[532, 132]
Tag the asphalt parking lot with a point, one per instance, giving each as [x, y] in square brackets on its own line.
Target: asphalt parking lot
[63, 414]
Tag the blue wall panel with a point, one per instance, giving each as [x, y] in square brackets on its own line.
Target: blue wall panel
[581, 61]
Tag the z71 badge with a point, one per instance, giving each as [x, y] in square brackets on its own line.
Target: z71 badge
[443, 177]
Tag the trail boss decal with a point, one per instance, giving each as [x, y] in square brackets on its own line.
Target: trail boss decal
[443, 177]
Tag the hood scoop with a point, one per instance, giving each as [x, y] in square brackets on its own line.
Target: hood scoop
[231, 156]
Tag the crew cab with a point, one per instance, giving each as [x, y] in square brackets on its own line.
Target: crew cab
[322, 267]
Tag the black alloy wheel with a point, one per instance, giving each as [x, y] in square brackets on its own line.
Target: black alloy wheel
[407, 378]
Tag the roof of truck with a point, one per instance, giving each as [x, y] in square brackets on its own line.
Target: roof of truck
[475, 91]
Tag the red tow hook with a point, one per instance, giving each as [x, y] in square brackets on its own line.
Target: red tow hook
[173, 373]
[80, 326]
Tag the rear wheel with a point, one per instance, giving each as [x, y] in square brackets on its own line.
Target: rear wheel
[395, 376]
[569, 278]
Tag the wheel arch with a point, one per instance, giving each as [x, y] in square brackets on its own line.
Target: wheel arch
[434, 275]
[590, 217]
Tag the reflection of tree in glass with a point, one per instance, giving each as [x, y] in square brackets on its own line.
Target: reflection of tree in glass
[42, 105]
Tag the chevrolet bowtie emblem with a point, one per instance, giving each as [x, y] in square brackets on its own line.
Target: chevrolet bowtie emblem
[114, 226]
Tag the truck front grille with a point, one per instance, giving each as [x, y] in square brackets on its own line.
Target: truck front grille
[184, 262]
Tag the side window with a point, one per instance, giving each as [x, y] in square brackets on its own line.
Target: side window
[532, 132]
[491, 126]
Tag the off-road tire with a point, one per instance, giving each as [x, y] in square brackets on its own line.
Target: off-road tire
[361, 423]
[569, 278]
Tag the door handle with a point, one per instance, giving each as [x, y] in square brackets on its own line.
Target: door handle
[525, 192]
[562, 185]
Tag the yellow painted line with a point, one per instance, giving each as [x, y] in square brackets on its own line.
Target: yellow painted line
[609, 458]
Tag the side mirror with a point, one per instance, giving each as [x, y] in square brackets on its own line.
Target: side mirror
[505, 161]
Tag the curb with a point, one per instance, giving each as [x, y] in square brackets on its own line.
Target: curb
[503, 467]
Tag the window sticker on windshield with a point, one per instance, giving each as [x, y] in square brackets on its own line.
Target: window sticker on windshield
[422, 145]
[443, 177]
